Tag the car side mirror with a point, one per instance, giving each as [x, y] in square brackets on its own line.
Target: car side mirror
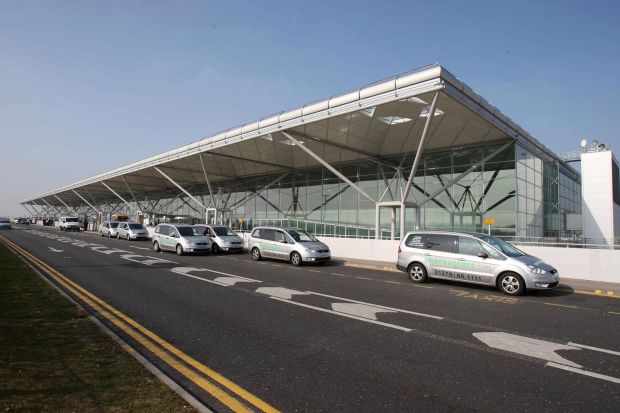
[483, 255]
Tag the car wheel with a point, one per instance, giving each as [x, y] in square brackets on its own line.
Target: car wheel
[179, 249]
[128, 238]
[102, 233]
[256, 254]
[510, 283]
[417, 273]
[296, 258]
[156, 247]
[215, 248]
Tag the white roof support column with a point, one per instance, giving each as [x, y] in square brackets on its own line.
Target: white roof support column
[26, 208]
[257, 193]
[421, 146]
[119, 197]
[88, 203]
[328, 166]
[131, 193]
[53, 207]
[68, 207]
[204, 171]
[193, 198]
[462, 175]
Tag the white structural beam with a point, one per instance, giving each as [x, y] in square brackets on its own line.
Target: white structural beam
[131, 193]
[58, 211]
[193, 198]
[118, 196]
[88, 203]
[421, 146]
[462, 175]
[255, 194]
[328, 166]
[68, 207]
[204, 171]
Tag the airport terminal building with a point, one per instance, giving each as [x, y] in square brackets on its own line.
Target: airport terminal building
[420, 150]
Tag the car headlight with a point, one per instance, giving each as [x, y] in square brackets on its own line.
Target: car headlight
[536, 270]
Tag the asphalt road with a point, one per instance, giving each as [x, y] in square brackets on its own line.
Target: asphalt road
[333, 338]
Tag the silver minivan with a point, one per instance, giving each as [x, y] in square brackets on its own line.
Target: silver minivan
[131, 230]
[108, 228]
[473, 258]
[290, 244]
[222, 237]
[180, 238]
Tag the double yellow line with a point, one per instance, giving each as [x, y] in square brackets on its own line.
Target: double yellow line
[225, 391]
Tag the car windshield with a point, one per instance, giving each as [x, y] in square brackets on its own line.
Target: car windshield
[503, 246]
[189, 231]
[223, 232]
[136, 226]
[72, 220]
[113, 224]
[301, 236]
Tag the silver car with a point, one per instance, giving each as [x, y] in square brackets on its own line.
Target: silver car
[131, 230]
[223, 238]
[473, 258]
[5, 223]
[180, 238]
[290, 244]
[108, 228]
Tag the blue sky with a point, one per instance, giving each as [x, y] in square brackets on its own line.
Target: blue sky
[88, 86]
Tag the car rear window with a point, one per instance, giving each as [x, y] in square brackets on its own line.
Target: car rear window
[441, 243]
[417, 241]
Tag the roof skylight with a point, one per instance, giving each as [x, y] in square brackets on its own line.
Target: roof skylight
[424, 113]
[394, 120]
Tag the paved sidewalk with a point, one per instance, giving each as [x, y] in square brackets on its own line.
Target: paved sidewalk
[599, 288]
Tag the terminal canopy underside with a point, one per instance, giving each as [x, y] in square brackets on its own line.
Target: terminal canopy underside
[387, 135]
[391, 166]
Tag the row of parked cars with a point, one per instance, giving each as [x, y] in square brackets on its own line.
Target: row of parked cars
[467, 257]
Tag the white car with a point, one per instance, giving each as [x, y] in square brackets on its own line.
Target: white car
[70, 224]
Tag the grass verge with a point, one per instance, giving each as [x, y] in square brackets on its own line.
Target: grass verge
[53, 358]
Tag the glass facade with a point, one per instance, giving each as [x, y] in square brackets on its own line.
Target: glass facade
[524, 195]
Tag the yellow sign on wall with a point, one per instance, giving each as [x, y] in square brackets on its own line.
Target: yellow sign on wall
[489, 221]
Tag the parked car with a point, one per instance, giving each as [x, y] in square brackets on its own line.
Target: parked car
[108, 228]
[290, 244]
[131, 230]
[222, 237]
[25, 221]
[5, 223]
[69, 224]
[473, 258]
[180, 238]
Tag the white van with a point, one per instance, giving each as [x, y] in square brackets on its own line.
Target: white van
[69, 224]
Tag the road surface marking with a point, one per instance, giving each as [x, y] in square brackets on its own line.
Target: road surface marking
[54, 249]
[140, 248]
[378, 306]
[562, 305]
[585, 373]
[360, 310]
[226, 281]
[613, 312]
[526, 346]
[325, 310]
[128, 325]
[314, 271]
[392, 282]
[151, 261]
[602, 350]
[335, 273]
[279, 292]
[485, 297]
